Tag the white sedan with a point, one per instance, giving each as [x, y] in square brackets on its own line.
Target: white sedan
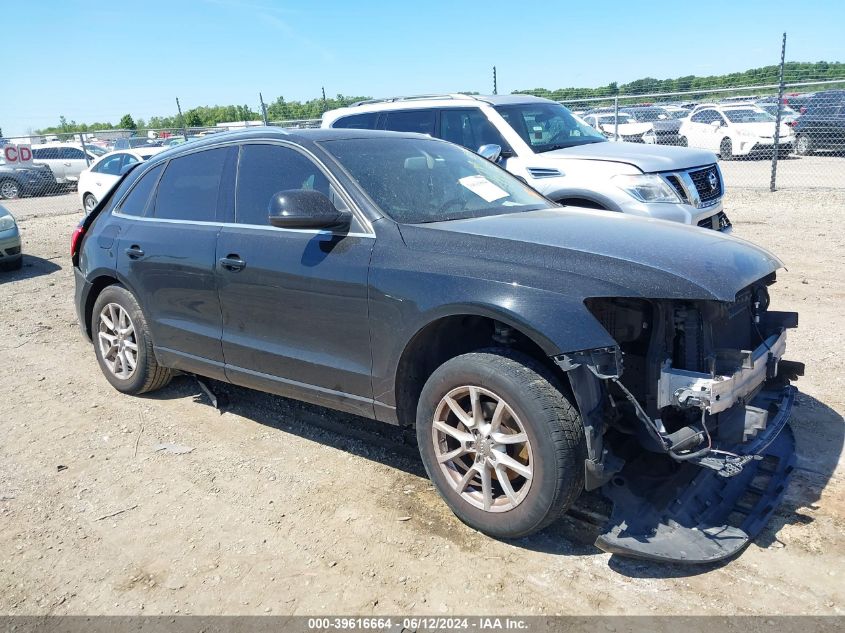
[96, 181]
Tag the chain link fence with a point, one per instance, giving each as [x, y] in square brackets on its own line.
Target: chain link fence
[795, 140]
[764, 141]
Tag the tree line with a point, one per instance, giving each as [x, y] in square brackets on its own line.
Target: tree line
[282, 110]
[793, 72]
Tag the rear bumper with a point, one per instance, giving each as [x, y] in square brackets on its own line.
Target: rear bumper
[81, 294]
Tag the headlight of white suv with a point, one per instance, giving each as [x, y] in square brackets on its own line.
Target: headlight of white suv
[646, 188]
[7, 222]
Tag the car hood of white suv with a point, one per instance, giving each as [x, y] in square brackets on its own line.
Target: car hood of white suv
[648, 158]
[763, 128]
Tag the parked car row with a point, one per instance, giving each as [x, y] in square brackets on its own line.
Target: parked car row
[742, 126]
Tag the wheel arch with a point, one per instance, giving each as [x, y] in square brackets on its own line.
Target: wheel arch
[99, 283]
[456, 330]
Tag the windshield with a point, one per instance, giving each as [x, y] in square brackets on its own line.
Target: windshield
[680, 113]
[548, 126]
[425, 180]
[646, 115]
[607, 119]
[748, 116]
[772, 108]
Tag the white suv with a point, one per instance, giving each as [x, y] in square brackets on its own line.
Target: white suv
[543, 143]
[735, 130]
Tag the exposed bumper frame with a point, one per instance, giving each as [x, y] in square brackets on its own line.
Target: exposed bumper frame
[679, 387]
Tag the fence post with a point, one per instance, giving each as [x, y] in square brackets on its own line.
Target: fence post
[616, 117]
[182, 120]
[263, 108]
[84, 149]
[776, 149]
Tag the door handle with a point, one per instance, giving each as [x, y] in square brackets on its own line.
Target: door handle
[232, 263]
[134, 252]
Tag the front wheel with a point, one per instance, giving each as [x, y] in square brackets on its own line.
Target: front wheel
[502, 443]
[123, 345]
[726, 149]
[9, 189]
[803, 145]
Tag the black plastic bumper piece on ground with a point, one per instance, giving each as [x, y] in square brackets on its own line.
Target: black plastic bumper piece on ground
[694, 515]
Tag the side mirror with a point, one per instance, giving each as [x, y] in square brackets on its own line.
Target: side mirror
[305, 209]
[716, 124]
[491, 152]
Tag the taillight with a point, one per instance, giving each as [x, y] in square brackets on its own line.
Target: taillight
[75, 240]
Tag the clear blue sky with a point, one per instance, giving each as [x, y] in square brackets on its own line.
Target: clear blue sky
[97, 60]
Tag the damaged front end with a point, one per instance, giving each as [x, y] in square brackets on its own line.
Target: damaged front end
[686, 421]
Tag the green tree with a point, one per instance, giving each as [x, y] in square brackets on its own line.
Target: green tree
[127, 123]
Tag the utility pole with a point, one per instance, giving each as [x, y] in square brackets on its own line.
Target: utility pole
[495, 87]
[773, 184]
[263, 108]
[324, 98]
[182, 120]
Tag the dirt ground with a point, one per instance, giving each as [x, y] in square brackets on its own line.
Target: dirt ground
[276, 507]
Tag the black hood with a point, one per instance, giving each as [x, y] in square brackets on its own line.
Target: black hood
[598, 253]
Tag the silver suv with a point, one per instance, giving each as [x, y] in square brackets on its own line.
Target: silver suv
[558, 154]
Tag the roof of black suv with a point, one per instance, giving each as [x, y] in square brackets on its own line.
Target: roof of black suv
[297, 135]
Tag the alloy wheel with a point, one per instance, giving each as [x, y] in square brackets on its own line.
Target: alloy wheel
[9, 190]
[482, 448]
[118, 341]
[90, 202]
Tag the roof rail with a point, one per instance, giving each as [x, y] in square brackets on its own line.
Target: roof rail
[412, 98]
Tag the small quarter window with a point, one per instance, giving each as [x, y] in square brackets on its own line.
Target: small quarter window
[139, 197]
[364, 121]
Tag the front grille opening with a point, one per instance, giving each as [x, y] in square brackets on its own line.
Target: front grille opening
[707, 183]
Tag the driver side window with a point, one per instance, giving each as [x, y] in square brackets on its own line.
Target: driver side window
[265, 170]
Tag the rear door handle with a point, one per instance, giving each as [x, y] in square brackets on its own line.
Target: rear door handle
[134, 252]
[233, 263]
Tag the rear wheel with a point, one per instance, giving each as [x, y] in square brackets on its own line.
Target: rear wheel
[123, 345]
[16, 264]
[89, 202]
[726, 149]
[803, 145]
[9, 189]
[501, 441]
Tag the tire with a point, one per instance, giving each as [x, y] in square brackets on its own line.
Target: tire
[13, 265]
[88, 203]
[112, 343]
[726, 149]
[9, 189]
[535, 408]
[803, 145]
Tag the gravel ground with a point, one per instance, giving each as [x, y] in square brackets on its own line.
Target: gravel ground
[161, 505]
[821, 171]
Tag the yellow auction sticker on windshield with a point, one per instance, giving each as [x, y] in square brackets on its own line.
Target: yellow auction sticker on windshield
[483, 188]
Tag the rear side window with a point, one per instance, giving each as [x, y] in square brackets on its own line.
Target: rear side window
[46, 153]
[265, 170]
[110, 165]
[419, 121]
[190, 186]
[469, 128]
[71, 153]
[365, 121]
[136, 202]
